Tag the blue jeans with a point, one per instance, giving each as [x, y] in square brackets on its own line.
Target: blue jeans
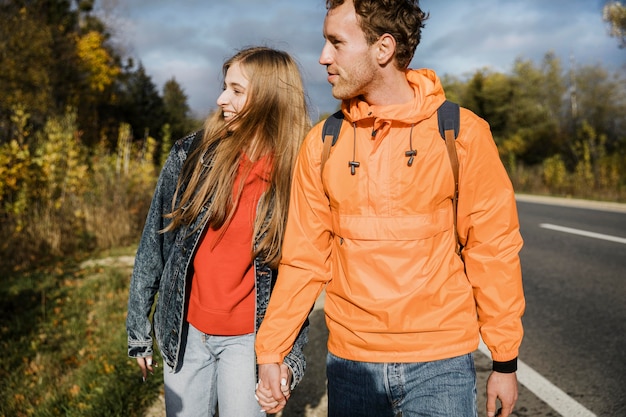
[440, 388]
[216, 371]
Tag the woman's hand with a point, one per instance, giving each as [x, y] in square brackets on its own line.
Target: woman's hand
[285, 380]
[146, 366]
[274, 387]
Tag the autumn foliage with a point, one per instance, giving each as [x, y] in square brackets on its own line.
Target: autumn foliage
[60, 198]
[83, 132]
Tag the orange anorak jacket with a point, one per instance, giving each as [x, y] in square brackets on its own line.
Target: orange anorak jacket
[382, 243]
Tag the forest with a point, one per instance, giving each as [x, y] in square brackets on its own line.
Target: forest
[84, 130]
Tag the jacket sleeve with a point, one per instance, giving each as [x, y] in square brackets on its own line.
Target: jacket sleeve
[305, 264]
[489, 230]
[295, 359]
[150, 259]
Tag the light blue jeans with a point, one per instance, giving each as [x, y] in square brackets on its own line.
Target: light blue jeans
[440, 388]
[216, 371]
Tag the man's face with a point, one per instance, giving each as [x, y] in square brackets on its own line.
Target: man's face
[349, 60]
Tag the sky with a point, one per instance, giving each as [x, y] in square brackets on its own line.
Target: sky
[188, 40]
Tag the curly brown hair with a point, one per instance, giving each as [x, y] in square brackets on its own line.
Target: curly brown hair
[402, 19]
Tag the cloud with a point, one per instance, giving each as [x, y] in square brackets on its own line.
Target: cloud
[189, 39]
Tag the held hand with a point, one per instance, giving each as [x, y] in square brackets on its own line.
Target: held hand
[504, 387]
[285, 380]
[146, 366]
[268, 390]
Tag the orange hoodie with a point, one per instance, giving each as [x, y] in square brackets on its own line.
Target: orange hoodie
[381, 242]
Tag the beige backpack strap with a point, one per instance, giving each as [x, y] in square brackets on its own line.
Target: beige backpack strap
[454, 161]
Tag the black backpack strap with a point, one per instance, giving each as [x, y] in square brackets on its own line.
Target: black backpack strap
[330, 133]
[448, 116]
[332, 126]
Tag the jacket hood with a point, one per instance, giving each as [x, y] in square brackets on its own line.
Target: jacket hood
[428, 93]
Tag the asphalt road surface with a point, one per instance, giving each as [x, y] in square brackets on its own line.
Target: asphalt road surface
[574, 268]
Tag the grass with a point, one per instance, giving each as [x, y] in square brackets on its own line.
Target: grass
[63, 338]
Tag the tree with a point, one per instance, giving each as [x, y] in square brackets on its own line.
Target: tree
[489, 95]
[453, 86]
[26, 54]
[62, 20]
[142, 105]
[537, 106]
[99, 68]
[54, 56]
[602, 104]
[99, 71]
[524, 108]
[614, 13]
[176, 109]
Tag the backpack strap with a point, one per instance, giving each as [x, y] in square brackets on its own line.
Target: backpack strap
[448, 116]
[448, 119]
[330, 133]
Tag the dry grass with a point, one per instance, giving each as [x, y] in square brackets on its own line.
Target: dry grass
[64, 341]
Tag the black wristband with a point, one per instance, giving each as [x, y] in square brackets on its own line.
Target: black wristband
[507, 367]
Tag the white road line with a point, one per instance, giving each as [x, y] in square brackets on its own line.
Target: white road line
[583, 233]
[545, 390]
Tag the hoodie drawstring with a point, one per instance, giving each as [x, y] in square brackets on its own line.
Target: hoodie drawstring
[412, 152]
[353, 164]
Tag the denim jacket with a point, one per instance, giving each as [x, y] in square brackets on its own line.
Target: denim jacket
[164, 266]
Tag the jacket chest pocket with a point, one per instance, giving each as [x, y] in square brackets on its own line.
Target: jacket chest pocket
[393, 228]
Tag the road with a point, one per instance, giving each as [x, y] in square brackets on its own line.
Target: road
[575, 320]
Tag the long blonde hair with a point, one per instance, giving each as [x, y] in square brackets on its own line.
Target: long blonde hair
[273, 121]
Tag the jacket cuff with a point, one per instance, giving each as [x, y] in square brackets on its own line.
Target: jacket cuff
[265, 358]
[297, 369]
[139, 350]
[294, 380]
[507, 367]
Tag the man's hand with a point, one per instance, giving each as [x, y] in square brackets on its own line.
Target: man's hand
[268, 391]
[504, 387]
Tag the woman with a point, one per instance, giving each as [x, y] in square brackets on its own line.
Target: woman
[212, 241]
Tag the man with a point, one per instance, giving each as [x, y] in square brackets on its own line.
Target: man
[403, 310]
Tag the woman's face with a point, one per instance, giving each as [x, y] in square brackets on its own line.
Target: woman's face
[233, 98]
